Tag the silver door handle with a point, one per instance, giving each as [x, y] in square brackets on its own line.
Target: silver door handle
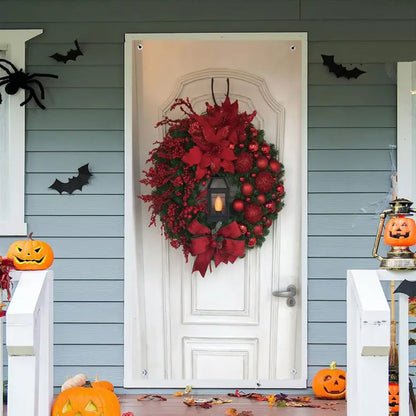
[289, 293]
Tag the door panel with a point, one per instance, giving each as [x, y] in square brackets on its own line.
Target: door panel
[224, 330]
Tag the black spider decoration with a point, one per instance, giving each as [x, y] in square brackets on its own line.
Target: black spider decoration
[16, 79]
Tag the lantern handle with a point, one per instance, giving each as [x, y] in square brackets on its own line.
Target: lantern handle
[378, 235]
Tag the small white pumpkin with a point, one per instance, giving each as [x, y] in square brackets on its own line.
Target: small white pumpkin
[78, 380]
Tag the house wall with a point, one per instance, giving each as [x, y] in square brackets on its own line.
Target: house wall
[352, 127]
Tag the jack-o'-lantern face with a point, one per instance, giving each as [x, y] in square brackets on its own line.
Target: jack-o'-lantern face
[393, 397]
[85, 401]
[330, 383]
[400, 232]
[30, 254]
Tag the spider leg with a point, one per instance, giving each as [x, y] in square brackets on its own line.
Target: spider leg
[1, 99]
[10, 63]
[32, 94]
[4, 82]
[5, 69]
[6, 77]
[42, 90]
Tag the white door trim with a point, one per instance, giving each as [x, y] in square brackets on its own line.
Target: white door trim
[132, 263]
[406, 130]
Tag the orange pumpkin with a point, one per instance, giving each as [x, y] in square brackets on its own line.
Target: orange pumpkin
[104, 384]
[394, 398]
[30, 254]
[330, 383]
[86, 401]
[400, 231]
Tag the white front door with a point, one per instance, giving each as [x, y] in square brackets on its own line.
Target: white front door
[227, 329]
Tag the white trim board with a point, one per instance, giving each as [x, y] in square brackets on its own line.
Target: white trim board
[13, 171]
[406, 130]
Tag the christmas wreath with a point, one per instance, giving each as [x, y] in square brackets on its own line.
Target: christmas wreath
[220, 143]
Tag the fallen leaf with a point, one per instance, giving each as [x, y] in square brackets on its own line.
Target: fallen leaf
[188, 389]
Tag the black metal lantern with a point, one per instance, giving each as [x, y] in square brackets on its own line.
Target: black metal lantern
[399, 234]
[218, 200]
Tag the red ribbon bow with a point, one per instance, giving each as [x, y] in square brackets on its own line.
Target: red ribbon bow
[221, 246]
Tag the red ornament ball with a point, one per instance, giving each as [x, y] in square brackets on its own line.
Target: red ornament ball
[271, 207]
[280, 189]
[268, 222]
[261, 198]
[262, 162]
[244, 162]
[253, 213]
[243, 228]
[247, 188]
[265, 148]
[252, 242]
[274, 166]
[238, 205]
[264, 181]
[253, 146]
[258, 230]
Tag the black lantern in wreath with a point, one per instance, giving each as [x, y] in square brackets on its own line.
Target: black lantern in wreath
[218, 200]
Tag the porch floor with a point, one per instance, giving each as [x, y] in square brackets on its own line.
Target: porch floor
[174, 406]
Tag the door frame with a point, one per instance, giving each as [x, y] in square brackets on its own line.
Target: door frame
[132, 207]
[406, 130]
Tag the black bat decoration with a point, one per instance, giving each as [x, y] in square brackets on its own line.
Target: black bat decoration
[340, 70]
[76, 182]
[406, 287]
[71, 55]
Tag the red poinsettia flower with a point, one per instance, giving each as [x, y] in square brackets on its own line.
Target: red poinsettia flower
[215, 135]
[212, 151]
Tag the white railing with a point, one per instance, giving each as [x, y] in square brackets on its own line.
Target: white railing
[29, 340]
[368, 342]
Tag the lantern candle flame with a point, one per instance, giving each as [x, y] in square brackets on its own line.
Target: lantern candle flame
[218, 204]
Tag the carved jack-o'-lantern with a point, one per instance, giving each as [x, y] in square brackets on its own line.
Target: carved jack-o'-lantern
[400, 231]
[394, 397]
[30, 254]
[86, 401]
[330, 383]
